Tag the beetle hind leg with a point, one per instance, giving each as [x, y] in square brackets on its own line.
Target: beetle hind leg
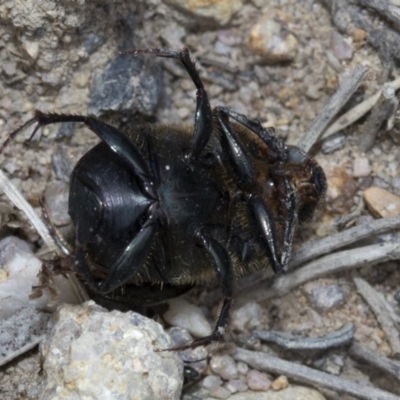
[203, 122]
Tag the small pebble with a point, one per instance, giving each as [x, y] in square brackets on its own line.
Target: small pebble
[211, 381]
[341, 48]
[327, 297]
[243, 368]
[236, 385]
[258, 381]
[187, 316]
[270, 39]
[220, 11]
[224, 366]
[381, 202]
[280, 383]
[361, 167]
[246, 318]
[220, 392]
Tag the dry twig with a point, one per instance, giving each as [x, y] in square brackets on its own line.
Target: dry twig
[331, 264]
[375, 359]
[359, 110]
[343, 239]
[337, 338]
[332, 107]
[268, 363]
[378, 305]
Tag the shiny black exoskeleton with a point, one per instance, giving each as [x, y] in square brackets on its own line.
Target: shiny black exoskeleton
[158, 208]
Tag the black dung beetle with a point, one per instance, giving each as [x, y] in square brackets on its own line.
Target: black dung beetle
[158, 208]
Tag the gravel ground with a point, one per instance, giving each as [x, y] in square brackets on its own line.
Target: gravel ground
[56, 57]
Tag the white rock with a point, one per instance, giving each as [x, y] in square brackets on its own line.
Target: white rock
[91, 353]
[225, 366]
[258, 381]
[246, 318]
[361, 167]
[187, 316]
[291, 393]
[19, 269]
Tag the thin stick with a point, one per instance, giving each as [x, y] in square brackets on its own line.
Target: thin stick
[333, 263]
[275, 365]
[358, 111]
[332, 107]
[379, 307]
[342, 239]
[336, 338]
[19, 201]
[375, 359]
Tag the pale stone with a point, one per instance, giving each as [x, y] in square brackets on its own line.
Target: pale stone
[381, 202]
[90, 353]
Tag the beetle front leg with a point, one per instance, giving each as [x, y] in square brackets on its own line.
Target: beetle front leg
[279, 258]
[203, 120]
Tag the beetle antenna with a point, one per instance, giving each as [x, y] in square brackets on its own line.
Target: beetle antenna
[19, 130]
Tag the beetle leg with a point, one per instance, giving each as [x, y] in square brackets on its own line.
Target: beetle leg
[223, 268]
[277, 147]
[265, 224]
[132, 258]
[113, 137]
[244, 173]
[203, 121]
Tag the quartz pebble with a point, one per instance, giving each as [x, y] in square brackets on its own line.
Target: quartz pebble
[361, 167]
[246, 318]
[224, 366]
[56, 197]
[236, 385]
[19, 270]
[280, 383]
[326, 297]
[270, 39]
[211, 381]
[341, 48]
[187, 316]
[258, 381]
[291, 393]
[219, 11]
[219, 392]
[381, 202]
[90, 353]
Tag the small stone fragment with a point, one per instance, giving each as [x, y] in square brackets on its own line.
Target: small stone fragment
[224, 366]
[187, 316]
[195, 357]
[211, 381]
[358, 35]
[219, 11]
[341, 190]
[291, 393]
[236, 385]
[258, 381]
[341, 48]
[246, 318]
[270, 38]
[333, 143]
[92, 353]
[381, 202]
[361, 167]
[326, 297]
[220, 392]
[243, 368]
[56, 198]
[280, 383]
[19, 269]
